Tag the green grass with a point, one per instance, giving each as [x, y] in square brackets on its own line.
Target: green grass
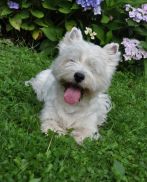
[28, 155]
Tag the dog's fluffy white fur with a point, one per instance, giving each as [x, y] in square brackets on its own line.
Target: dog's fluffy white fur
[97, 65]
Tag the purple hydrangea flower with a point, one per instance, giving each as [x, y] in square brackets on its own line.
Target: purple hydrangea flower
[137, 14]
[133, 50]
[144, 7]
[13, 5]
[91, 4]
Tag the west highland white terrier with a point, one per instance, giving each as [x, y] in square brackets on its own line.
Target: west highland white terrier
[73, 89]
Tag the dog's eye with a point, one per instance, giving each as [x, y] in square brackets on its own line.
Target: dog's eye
[72, 60]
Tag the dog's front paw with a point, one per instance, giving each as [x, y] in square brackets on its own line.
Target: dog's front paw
[45, 126]
[80, 134]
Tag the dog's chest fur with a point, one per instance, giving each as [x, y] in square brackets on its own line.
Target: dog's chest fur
[70, 115]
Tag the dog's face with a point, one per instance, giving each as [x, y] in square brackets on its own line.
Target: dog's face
[82, 67]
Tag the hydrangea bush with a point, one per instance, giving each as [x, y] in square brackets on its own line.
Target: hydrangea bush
[137, 14]
[133, 49]
[12, 5]
[95, 5]
[102, 21]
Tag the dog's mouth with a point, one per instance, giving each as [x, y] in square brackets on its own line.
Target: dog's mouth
[72, 93]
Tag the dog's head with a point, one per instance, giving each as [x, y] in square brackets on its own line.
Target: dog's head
[83, 67]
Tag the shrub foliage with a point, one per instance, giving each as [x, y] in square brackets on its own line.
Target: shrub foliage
[46, 21]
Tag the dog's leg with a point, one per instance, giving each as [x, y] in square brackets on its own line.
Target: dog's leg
[49, 120]
[42, 83]
[81, 133]
[50, 124]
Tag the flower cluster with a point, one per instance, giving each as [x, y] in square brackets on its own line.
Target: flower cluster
[133, 49]
[91, 4]
[88, 31]
[13, 5]
[137, 14]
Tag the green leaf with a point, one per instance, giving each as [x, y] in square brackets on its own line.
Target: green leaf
[48, 48]
[5, 11]
[52, 4]
[100, 33]
[45, 44]
[75, 6]
[52, 33]
[40, 22]
[109, 36]
[25, 4]
[37, 13]
[116, 25]
[8, 27]
[36, 34]
[35, 180]
[27, 26]
[105, 19]
[110, 3]
[70, 24]
[49, 33]
[15, 22]
[22, 15]
[132, 23]
[65, 7]
[48, 5]
[143, 45]
[65, 10]
[141, 31]
[118, 170]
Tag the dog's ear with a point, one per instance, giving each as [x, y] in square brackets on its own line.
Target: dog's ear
[74, 35]
[113, 53]
[112, 48]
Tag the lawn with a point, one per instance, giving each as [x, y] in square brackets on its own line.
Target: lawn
[28, 155]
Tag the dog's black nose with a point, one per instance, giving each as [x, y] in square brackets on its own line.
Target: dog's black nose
[79, 77]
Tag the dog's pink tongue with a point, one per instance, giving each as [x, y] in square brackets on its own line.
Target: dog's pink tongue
[72, 95]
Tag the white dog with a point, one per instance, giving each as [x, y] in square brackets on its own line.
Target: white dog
[73, 90]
